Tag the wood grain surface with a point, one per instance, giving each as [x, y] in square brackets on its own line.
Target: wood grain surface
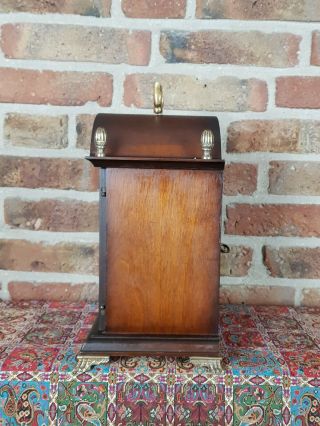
[163, 230]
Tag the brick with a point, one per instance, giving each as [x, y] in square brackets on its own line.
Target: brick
[37, 172]
[257, 295]
[288, 220]
[62, 292]
[310, 297]
[192, 93]
[77, 7]
[283, 10]
[292, 262]
[84, 129]
[22, 255]
[294, 178]
[239, 178]
[298, 92]
[36, 131]
[54, 87]
[274, 136]
[154, 8]
[236, 263]
[240, 48]
[315, 52]
[75, 43]
[51, 215]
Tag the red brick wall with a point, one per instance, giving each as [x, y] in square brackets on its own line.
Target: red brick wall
[253, 63]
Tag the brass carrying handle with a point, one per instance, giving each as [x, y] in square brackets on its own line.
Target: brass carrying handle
[157, 98]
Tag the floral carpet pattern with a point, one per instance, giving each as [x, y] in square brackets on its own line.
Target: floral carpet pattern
[272, 377]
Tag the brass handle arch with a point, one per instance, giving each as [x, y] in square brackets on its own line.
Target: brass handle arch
[157, 98]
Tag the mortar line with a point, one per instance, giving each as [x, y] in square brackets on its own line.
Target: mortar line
[257, 270]
[253, 241]
[298, 297]
[295, 200]
[275, 282]
[156, 59]
[50, 237]
[183, 68]
[50, 277]
[118, 90]
[271, 83]
[119, 20]
[252, 157]
[37, 194]
[190, 9]
[262, 178]
[2, 221]
[116, 14]
[231, 116]
[4, 292]
[72, 139]
[2, 132]
[305, 49]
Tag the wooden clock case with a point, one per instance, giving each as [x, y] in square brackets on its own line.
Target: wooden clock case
[160, 207]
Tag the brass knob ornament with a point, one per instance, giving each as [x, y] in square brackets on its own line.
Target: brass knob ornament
[207, 144]
[100, 140]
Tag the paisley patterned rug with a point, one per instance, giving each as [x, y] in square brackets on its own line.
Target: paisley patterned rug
[272, 378]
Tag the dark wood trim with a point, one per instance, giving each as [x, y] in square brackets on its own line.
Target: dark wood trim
[146, 135]
[152, 345]
[156, 163]
[102, 250]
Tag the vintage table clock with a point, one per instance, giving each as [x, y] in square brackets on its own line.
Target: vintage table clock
[160, 205]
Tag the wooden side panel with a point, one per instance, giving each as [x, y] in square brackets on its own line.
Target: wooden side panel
[163, 251]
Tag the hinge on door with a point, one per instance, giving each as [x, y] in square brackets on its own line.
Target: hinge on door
[103, 192]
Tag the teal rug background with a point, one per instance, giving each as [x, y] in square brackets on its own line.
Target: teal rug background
[272, 376]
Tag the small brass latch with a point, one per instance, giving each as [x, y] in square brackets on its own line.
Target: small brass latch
[157, 98]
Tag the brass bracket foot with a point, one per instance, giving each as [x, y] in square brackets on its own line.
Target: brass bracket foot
[215, 365]
[88, 361]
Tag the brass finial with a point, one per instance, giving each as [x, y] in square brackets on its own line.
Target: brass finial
[100, 139]
[157, 98]
[207, 143]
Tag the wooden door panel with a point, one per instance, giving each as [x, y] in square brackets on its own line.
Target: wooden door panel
[163, 229]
